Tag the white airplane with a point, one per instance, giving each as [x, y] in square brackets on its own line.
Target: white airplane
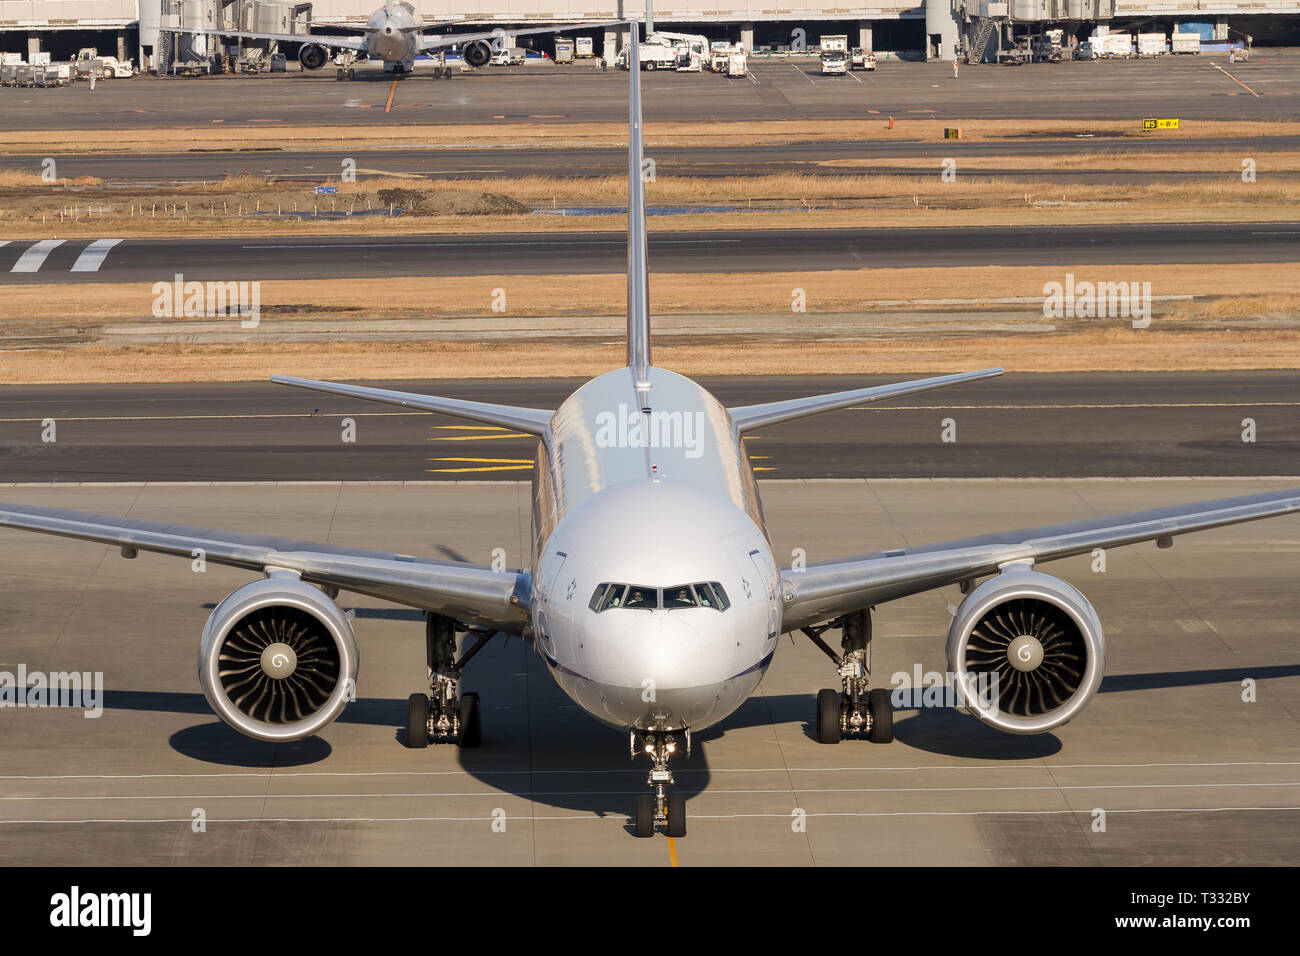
[394, 35]
[652, 594]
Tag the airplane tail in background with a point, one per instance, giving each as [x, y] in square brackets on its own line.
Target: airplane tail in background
[638, 265]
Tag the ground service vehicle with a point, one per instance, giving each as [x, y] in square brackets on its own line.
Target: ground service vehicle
[861, 59]
[512, 56]
[1117, 45]
[563, 51]
[1151, 44]
[834, 63]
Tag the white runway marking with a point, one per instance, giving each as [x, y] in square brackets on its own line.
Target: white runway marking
[93, 256]
[35, 256]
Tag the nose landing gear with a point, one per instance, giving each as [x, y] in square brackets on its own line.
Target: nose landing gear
[445, 714]
[855, 710]
[660, 806]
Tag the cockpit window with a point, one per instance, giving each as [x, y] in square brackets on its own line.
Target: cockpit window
[644, 598]
[679, 595]
[636, 596]
[613, 596]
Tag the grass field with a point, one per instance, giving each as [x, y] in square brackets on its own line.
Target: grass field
[1212, 330]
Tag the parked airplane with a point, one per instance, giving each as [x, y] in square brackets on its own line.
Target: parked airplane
[394, 35]
[652, 591]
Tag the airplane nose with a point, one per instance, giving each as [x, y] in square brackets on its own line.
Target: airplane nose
[664, 651]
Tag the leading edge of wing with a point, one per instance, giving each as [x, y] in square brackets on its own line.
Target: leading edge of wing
[747, 418]
[469, 592]
[533, 421]
[320, 39]
[830, 588]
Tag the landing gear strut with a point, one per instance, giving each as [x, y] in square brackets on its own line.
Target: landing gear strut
[445, 714]
[660, 806]
[856, 710]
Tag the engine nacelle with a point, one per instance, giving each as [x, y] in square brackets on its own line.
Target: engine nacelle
[477, 53]
[312, 56]
[278, 659]
[1033, 644]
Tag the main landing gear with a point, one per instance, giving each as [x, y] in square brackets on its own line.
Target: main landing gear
[445, 714]
[855, 710]
[660, 806]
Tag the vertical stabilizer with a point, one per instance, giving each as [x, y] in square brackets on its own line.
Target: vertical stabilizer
[638, 266]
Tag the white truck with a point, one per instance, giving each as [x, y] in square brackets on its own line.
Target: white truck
[1151, 44]
[583, 47]
[834, 63]
[510, 56]
[654, 56]
[1185, 43]
[737, 65]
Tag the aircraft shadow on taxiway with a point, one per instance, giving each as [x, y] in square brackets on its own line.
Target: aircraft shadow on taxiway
[539, 746]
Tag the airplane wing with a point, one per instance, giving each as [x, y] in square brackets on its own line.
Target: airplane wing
[828, 589]
[320, 39]
[438, 41]
[475, 594]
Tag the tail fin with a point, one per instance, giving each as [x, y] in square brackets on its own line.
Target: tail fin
[638, 265]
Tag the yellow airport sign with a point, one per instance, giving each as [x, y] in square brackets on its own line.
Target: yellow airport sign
[1148, 124]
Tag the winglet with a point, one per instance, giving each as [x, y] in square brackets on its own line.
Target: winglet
[638, 266]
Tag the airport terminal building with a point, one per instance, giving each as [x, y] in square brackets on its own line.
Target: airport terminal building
[929, 29]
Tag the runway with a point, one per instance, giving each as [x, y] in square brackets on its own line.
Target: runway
[1100, 424]
[705, 251]
[1184, 771]
[436, 161]
[789, 89]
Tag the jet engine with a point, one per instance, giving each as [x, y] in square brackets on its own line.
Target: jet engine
[278, 659]
[1027, 651]
[477, 53]
[312, 56]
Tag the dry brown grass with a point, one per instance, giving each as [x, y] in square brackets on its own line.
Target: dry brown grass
[22, 179]
[871, 127]
[1275, 285]
[250, 206]
[1109, 349]
[1165, 345]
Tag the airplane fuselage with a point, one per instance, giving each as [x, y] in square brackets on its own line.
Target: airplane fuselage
[392, 35]
[662, 506]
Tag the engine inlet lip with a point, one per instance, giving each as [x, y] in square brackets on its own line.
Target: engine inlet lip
[254, 597]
